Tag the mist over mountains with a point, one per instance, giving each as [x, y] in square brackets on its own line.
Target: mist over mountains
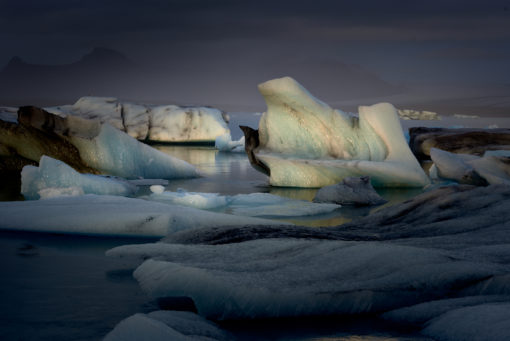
[106, 72]
[191, 78]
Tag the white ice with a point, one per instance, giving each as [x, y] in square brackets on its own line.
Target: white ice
[163, 123]
[224, 143]
[492, 167]
[111, 215]
[54, 177]
[170, 123]
[114, 152]
[166, 325]
[254, 204]
[305, 143]
[410, 114]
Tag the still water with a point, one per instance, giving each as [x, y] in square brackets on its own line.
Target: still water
[57, 287]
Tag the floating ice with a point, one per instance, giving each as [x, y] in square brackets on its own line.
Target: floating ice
[116, 153]
[111, 215]
[431, 257]
[54, 178]
[284, 277]
[254, 204]
[166, 325]
[409, 114]
[171, 123]
[305, 143]
[481, 322]
[224, 143]
[164, 123]
[492, 168]
[351, 191]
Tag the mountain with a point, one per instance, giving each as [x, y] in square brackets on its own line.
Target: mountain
[102, 72]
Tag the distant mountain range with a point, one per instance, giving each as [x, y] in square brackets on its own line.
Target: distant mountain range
[99, 73]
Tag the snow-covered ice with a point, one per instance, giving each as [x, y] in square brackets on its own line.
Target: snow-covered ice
[111, 215]
[166, 325]
[305, 143]
[410, 114]
[254, 204]
[54, 178]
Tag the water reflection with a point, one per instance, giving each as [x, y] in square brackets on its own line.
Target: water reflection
[231, 173]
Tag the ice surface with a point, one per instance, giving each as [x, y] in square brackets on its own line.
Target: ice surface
[104, 109]
[351, 191]
[409, 114]
[164, 123]
[224, 143]
[305, 143]
[170, 123]
[53, 178]
[326, 277]
[492, 168]
[111, 215]
[438, 257]
[166, 325]
[254, 204]
[114, 152]
[482, 322]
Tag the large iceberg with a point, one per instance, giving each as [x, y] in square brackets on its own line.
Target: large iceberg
[89, 146]
[54, 177]
[156, 123]
[302, 142]
[111, 216]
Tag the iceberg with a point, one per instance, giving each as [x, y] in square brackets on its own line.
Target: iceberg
[88, 146]
[253, 205]
[167, 325]
[156, 123]
[107, 215]
[302, 142]
[54, 178]
[224, 143]
[493, 168]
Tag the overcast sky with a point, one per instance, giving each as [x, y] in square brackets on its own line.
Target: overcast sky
[241, 42]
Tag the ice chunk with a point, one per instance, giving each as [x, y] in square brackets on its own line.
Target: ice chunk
[409, 114]
[136, 120]
[472, 169]
[302, 142]
[116, 153]
[111, 215]
[284, 277]
[104, 109]
[352, 191]
[166, 325]
[164, 123]
[54, 177]
[224, 143]
[254, 204]
[170, 123]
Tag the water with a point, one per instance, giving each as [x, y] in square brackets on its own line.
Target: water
[58, 287]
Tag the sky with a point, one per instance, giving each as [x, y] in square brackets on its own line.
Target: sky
[217, 51]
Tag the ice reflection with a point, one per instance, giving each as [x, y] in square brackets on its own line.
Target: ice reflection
[231, 173]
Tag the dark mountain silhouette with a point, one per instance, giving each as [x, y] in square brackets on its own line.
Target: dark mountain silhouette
[102, 72]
